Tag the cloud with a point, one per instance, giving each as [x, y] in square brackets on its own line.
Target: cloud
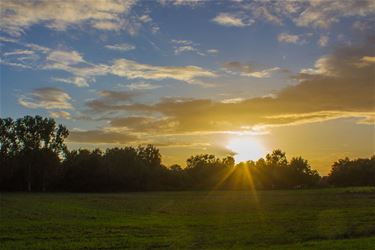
[19, 52]
[248, 70]
[145, 18]
[212, 51]
[108, 98]
[121, 47]
[265, 14]
[288, 38]
[323, 14]
[134, 70]
[183, 46]
[77, 81]
[186, 3]
[142, 86]
[17, 16]
[60, 114]
[232, 100]
[84, 72]
[144, 124]
[26, 57]
[338, 88]
[65, 57]
[323, 41]
[100, 136]
[46, 98]
[309, 13]
[368, 59]
[227, 19]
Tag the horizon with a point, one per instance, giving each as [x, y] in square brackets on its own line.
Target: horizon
[236, 78]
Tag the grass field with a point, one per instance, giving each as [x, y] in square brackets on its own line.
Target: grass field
[298, 219]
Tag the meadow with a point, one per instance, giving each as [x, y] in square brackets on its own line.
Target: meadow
[285, 219]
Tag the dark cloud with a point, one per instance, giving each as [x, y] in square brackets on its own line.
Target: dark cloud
[46, 98]
[99, 136]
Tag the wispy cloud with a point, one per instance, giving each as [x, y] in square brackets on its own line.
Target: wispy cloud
[142, 86]
[60, 114]
[248, 69]
[17, 16]
[121, 47]
[133, 70]
[298, 104]
[310, 13]
[101, 136]
[65, 57]
[228, 19]
[46, 98]
[183, 46]
[77, 81]
[323, 40]
[288, 38]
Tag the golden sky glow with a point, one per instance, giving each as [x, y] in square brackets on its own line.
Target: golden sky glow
[220, 77]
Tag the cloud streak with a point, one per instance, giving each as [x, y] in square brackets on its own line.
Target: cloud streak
[46, 98]
[17, 16]
[338, 88]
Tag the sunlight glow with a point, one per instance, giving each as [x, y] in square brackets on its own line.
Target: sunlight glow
[246, 149]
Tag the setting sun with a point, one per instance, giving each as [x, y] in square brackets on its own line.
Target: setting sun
[246, 149]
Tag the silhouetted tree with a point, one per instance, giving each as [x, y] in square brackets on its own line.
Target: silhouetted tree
[358, 172]
[24, 143]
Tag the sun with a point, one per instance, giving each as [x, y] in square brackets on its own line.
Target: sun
[246, 149]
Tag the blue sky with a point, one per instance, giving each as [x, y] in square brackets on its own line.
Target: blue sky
[144, 71]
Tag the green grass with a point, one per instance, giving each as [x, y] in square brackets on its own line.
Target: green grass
[298, 219]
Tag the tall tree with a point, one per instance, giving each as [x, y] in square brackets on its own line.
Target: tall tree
[35, 142]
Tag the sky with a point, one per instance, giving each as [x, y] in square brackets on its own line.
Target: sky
[234, 78]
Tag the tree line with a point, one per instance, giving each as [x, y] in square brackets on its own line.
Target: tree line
[34, 157]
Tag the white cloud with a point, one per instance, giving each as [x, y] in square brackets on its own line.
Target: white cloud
[60, 114]
[262, 74]
[323, 41]
[188, 3]
[308, 13]
[133, 70]
[227, 19]
[145, 18]
[185, 48]
[288, 38]
[17, 16]
[212, 51]
[181, 46]
[235, 67]
[121, 47]
[142, 86]
[19, 52]
[323, 14]
[78, 81]
[232, 100]
[65, 57]
[46, 98]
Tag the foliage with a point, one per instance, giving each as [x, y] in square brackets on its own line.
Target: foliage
[29, 151]
[358, 172]
[35, 158]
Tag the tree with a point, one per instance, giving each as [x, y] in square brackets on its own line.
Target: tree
[358, 172]
[301, 173]
[28, 140]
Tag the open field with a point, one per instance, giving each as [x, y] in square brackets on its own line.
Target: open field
[298, 219]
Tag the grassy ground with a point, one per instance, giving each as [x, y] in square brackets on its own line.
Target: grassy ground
[299, 219]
